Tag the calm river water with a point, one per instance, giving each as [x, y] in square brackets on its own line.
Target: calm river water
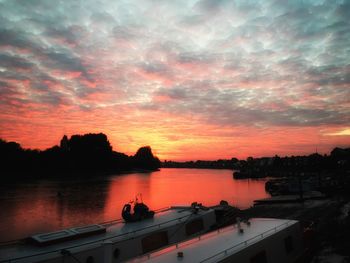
[32, 207]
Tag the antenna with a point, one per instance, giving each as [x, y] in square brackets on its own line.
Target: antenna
[137, 197]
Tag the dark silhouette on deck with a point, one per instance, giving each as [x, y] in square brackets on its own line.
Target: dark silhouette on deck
[141, 211]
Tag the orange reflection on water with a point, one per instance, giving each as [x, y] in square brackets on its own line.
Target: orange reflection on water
[182, 187]
[50, 205]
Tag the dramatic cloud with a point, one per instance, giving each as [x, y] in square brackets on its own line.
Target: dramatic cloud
[192, 78]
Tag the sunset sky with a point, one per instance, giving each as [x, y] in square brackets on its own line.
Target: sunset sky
[203, 79]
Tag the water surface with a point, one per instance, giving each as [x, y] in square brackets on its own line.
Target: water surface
[34, 207]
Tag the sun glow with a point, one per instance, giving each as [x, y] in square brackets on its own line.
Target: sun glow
[192, 79]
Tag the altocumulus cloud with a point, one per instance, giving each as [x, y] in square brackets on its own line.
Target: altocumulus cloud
[279, 63]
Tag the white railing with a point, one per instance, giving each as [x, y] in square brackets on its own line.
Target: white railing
[247, 242]
[211, 234]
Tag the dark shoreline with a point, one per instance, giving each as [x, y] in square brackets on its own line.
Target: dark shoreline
[80, 155]
[331, 229]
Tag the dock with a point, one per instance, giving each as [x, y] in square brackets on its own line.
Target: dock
[290, 198]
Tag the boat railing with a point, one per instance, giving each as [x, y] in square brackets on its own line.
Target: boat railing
[247, 242]
[96, 241]
[219, 231]
[105, 223]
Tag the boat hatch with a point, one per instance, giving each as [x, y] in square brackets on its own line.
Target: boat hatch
[67, 234]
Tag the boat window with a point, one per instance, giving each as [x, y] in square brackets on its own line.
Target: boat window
[90, 259]
[194, 226]
[259, 258]
[288, 244]
[154, 241]
[116, 253]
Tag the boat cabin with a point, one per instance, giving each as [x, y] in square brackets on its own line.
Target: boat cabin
[112, 242]
[259, 240]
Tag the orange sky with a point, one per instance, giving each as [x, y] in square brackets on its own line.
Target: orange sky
[172, 137]
[203, 80]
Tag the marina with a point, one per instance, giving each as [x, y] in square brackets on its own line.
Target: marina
[175, 131]
[115, 241]
[290, 198]
[35, 207]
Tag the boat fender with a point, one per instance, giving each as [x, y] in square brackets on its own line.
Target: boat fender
[126, 213]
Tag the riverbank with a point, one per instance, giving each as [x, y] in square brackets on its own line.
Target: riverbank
[88, 155]
[45, 205]
[329, 220]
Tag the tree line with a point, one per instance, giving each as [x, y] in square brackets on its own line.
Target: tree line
[87, 154]
[337, 161]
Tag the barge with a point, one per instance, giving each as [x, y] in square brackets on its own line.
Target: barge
[113, 242]
[259, 240]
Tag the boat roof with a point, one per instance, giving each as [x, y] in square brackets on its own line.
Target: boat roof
[115, 231]
[216, 245]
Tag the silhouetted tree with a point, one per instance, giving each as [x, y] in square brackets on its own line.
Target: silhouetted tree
[87, 154]
[144, 159]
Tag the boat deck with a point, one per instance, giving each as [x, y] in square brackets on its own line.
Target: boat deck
[215, 246]
[114, 231]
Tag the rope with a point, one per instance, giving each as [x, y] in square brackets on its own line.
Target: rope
[181, 225]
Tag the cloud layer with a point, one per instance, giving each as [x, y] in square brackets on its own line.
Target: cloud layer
[214, 76]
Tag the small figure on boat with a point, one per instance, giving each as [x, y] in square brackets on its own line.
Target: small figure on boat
[141, 211]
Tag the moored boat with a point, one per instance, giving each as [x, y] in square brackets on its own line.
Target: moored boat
[115, 241]
[259, 240]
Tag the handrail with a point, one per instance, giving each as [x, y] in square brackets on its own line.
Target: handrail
[105, 223]
[95, 241]
[245, 243]
[208, 235]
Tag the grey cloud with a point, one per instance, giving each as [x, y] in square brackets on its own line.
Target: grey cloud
[177, 93]
[122, 32]
[154, 67]
[103, 19]
[40, 86]
[9, 96]
[211, 6]
[327, 75]
[51, 98]
[226, 107]
[288, 117]
[192, 20]
[6, 89]
[54, 59]
[15, 39]
[344, 10]
[198, 57]
[11, 75]
[71, 35]
[234, 7]
[65, 61]
[296, 43]
[14, 62]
